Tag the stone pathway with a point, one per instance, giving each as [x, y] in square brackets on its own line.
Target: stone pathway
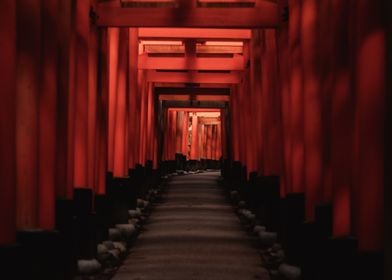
[193, 234]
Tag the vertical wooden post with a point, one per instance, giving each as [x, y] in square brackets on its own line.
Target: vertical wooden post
[120, 164]
[369, 124]
[27, 93]
[194, 144]
[47, 116]
[185, 134]
[7, 122]
[133, 116]
[312, 106]
[296, 98]
[81, 43]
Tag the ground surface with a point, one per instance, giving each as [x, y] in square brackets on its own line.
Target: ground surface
[193, 235]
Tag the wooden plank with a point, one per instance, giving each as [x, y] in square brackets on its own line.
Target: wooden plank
[188, 97]
[197, 33]
[199, 78]
[193, 90]
[265, 16]
[193, 109]
[200, 49]
[194, 105]
[191, 63]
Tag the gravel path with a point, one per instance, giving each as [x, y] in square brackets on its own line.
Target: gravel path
[193, 234]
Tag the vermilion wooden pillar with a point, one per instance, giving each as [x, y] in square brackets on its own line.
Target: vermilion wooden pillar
[342, 110]
[256, 89]
[209, 141]
[200, 140]
[213, 141]
[235, 148]
[185, 125]
[27, 93]
[133, 139]
[296, 98]
[370, 65]
[93, 119]
[265, 122]
[150, 123]
[172, 142]
[312, 105]
[179, 131]
[218, 142]
[326, 37]
[248, 106]
[7, 122]
[71, 103]
[223, 133]
[143, 116]
[102, 113]
[283, 58]
[194, 144]
[81, 42]
[271, 100]
[242, 121]
[64, 186]
[113, 45]
[120, 151]
[47, 116]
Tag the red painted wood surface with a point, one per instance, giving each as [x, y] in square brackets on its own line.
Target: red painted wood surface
[120, 148]
[7, 122]
[296, 98]
[313, 129]
[134, 125]
[27, 111]
[81, 42]
[369, 65]
[102, 113]
[194, 155]
[47, 116]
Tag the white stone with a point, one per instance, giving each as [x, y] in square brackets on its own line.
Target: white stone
[290, 272]
[108, 244]
[258, 229]
[134, 213]
[114, 234]
[268, 238]
[101, 249]
[120, 246]
[241, 204]
[88, 267]
[127, 230]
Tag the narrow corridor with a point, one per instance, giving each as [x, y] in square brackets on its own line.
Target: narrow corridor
[194, 234]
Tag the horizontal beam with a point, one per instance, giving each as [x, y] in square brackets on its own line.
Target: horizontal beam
[194, 77]
[193, 109]
[265, 16]
[192, 91]
[200, 49]
[188, 97]
[194, 33]
[195, 104]
[235, 63]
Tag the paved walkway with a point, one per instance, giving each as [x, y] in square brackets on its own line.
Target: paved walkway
[193, 235]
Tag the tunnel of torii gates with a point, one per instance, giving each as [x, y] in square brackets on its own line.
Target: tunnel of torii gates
[291, 88]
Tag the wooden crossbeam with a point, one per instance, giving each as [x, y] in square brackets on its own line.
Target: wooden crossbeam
[197, 105]
[264, 16]
[191, 63]
[194, 33]
[192, 91]
[188, 97]
[193, 109]
[200, 49]
[198, 78]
